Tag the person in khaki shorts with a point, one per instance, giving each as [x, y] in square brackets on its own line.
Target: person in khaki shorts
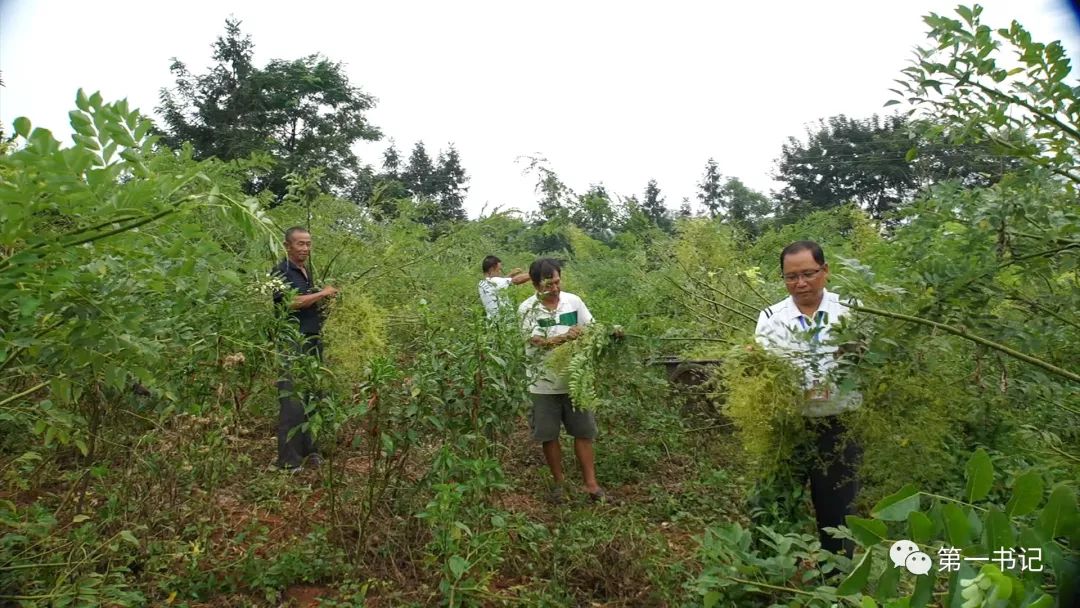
[552, 317]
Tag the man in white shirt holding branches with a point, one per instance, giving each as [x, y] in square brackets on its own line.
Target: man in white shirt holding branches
[550, 318]
[798, 327]
[492, 285]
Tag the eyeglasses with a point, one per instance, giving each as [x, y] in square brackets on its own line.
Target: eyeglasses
[806, 275]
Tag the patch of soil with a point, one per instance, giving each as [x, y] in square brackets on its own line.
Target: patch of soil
[357, 465]
[525, 503]
[305, 596]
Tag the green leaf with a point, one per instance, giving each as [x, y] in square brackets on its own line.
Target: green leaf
[1026, 495]
[997, 531]
[924, 590]
[22, 126]
[81, 101]
[60, 389]
[868, 532]
[965, 12]
[957, 527]
[129, 537]
[897, 506]
[80, 119]
[711, 598]
[86, 142]
[1044, 601]
[912, 153]
[1066, 571]
[142, 129]
[120, 134]
[458, 565]
[868, 602]
[980, 476]
[886, 583]
[858, 577]
[920, 527]
[229, 276]
[954, 599]
[1059, 514]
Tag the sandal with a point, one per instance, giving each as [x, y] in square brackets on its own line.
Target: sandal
[600, 496]
[557, 495]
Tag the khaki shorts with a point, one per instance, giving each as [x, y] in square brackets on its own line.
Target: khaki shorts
[550, 412]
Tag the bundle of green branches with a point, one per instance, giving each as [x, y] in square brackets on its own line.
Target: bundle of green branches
[578, 361]
[764, 396]
[354, 334]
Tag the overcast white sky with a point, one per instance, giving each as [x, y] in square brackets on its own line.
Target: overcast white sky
[610, 92]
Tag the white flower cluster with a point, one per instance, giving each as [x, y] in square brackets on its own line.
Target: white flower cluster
[270, 285]
[233, 360]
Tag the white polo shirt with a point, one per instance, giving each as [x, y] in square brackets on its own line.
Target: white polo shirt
[537, 320]
[784, 330]
[491, 296]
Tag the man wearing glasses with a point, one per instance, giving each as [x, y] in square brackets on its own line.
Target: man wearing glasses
[798, 327]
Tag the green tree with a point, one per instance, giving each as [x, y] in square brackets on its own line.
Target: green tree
[653, 207]
[391, 161]
[709, 189]
[743, 206]
[880, 163]
[594, 213]
[302, 113]
[419, 174]
[555, 196]
[1026, 108]
[450, 179]
[685, 210]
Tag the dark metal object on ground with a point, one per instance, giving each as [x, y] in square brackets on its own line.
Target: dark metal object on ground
[687, 378]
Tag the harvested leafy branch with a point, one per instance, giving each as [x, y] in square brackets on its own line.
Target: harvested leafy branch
[355, 333]
[578, 361]
[764, 392]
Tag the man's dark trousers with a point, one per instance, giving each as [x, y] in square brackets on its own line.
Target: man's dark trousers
[291, 414]
[833, 479]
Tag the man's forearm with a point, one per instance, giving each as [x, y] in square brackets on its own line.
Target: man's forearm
[306, 301]
[551, 342]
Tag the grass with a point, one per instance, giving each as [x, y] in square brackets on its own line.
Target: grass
[219, 527]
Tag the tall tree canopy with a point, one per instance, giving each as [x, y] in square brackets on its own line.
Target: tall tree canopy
[438, 186]
[391, 161]
[654, 207]
[595, 213]
[419, 173]
[302, 113]
[709, 188]
[743, 206]
[450, 179]
[877, 163]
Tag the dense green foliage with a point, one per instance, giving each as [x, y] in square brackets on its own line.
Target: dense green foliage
[297, 114]
[881, 163]
[139, 351]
